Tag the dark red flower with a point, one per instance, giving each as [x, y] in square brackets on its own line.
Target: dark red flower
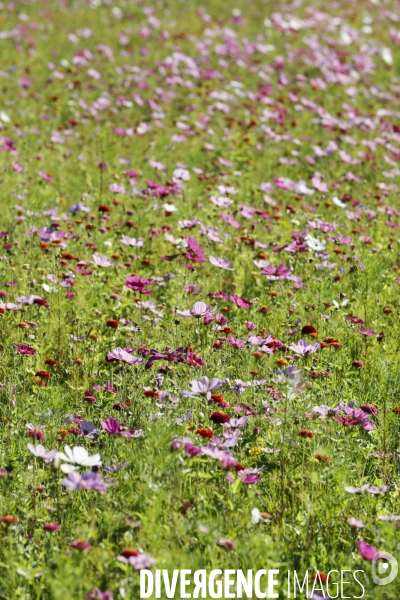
[306, 434]
[220, 417]
[113, 323]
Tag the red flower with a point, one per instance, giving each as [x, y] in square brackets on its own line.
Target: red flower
[43, 374]
[304, 433]
[127, 552]
[113, 323]
[50, 361]
[220, 417]
[309, 330]
[205, 432]
[8, 519]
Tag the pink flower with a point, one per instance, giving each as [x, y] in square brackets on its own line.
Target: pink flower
[117, 189]
[45, 176]
[222, 263]
[204, 386]
[238, 343]
[363, 331]
[102, 261]
[139, 284]
[120, 354]
[366, 551]
[200, 309]
[195, 253]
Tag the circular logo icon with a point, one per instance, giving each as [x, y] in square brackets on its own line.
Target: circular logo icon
[384, 568]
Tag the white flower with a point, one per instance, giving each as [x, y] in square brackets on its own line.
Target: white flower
[255, 516]
[338, 202]
[314, 244]
[341, 305]
[76, 456]
[386, 55]
[171, 208]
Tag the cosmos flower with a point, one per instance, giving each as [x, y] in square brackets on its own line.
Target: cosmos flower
[200, 309]
[121, 354]
[40, 452]
[222, 263]
[75, 458]
[138, 561]
[113, 427]
[102, 261]
[205, 386]
[86, 481]
[304, 349]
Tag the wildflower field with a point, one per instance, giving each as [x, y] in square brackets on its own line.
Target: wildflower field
[199, 292]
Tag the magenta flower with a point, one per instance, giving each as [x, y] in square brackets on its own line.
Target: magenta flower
[80, 545]
[240, 302]
[24, 349]
[195, 253]
[226, 543]
[121, 354]
[139, 284]
[191, 450]
[366, 551]
[200, 309]
[114, 428]
[51, 527]
[356, 416]
[369, 332]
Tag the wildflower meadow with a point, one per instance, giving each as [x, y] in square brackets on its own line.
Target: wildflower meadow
[199, 293]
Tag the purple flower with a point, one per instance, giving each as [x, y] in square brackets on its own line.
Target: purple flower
[304, 349]
[204, 386]
[102, 261]
[120, 354]
[200, 309]
[86, 481]
[141, 561]
[113, 427]
[222, 263]
[129, 241]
